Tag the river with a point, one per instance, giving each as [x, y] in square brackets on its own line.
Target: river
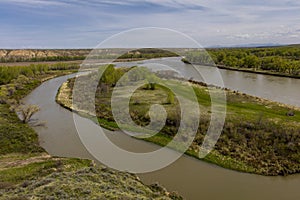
[280, 89]
[192, 178]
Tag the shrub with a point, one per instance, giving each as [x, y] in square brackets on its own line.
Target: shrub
[27, 112]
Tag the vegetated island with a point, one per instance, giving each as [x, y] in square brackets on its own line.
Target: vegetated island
[278, 61]
[259, 136]
[27, 171]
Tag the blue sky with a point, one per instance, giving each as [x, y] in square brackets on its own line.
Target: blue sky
[84, 24]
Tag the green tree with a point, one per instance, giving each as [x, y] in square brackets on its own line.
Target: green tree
[231, 61]
[107, 78]
[251, 61]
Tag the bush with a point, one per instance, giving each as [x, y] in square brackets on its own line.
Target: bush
[27, 112]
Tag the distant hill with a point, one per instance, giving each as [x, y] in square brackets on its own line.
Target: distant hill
[24, 55]
[38, 55]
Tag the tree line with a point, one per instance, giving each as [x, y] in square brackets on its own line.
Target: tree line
[285, 60]
[7, 74]
[147, 53]
[41, 59]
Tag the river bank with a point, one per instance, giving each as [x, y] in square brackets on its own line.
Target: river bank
[28, 171]
[259, 72]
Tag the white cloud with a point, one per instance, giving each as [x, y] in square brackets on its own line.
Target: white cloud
[242, 36]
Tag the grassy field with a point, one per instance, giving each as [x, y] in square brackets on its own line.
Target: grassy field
[258, 135]
[28, 172]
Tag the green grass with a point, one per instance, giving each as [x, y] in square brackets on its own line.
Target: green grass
[41, 169]
[252, 110]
